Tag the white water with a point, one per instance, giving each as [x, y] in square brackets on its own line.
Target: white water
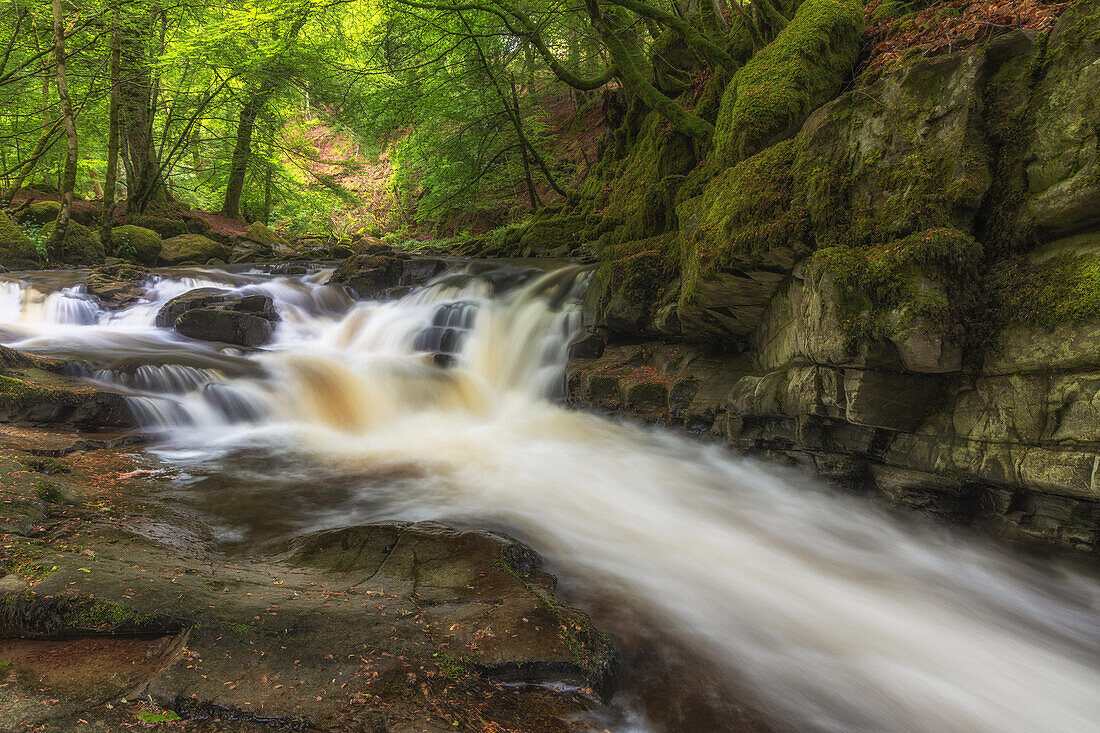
[832, 615]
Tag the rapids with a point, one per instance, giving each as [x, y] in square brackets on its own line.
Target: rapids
[811, 608]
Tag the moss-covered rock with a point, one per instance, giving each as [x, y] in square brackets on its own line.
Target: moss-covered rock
[17, 250]
[642, 199]
[136, 243]
[81, 246]
[1056, 284]
[924, 283]
[1063, 159]
[165, 227]
[39, 212]
[191, 248]
[634, 284]
[803, 68]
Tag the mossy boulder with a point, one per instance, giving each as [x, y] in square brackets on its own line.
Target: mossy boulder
[165, 227]
[804, 67]
[17, 250]
[136, 243]
[117, 285]
[39, 212]
[557, 236]
[923, 285]
[81, 245]
[191, 248]
[260, 243]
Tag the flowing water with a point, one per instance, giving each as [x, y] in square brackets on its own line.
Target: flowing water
[746, 596]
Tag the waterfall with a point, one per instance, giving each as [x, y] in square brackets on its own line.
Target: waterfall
[824, 612]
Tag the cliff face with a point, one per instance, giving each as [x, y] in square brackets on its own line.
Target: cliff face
[904, 295]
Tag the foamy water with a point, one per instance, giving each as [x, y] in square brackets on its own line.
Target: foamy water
[830, 614]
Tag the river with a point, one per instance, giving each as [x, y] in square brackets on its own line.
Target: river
[746, 596]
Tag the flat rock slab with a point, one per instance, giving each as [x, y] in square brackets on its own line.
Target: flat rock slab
[379, 627]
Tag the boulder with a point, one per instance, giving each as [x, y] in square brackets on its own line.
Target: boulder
[39, 212]
[213, 314]
[260, 243]
[228, 324]
[372, 275]
[81, 246]
[137, 244]
[191, 248]
[17, 250]
[117, 285]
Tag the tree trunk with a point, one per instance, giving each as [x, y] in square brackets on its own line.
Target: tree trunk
[143, 177]
[109, 184]
[68, 182]
[242, 151]
[531, 192]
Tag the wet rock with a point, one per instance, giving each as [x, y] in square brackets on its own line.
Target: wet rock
[226, 325]
[587, 346]
[192, 248]
[371, 275]
[260, 243]
[213, 314]
[35, 391]
[117, 285]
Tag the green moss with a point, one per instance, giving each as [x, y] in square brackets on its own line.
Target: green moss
[81, 246]
[166, 228]
[883, 287]
[50, 493]
[745, 212]
[642, 200]
[136, 243]
[888, 10]
[800, 70]
[1063, 289]
[39, 213]
[192, 248]
[634, 280]
[453, 667]
[17, 250]
[22, 392]
[42, 465]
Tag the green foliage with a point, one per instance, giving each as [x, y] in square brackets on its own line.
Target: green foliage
[779, 86]
[50, 492]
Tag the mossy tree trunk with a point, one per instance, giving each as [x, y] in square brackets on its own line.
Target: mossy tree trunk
[144, 181]
[111, 179]
[68, 181]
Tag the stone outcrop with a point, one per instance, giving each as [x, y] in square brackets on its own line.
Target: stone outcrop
[902, 297]
[392, 626]
[36, 391]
